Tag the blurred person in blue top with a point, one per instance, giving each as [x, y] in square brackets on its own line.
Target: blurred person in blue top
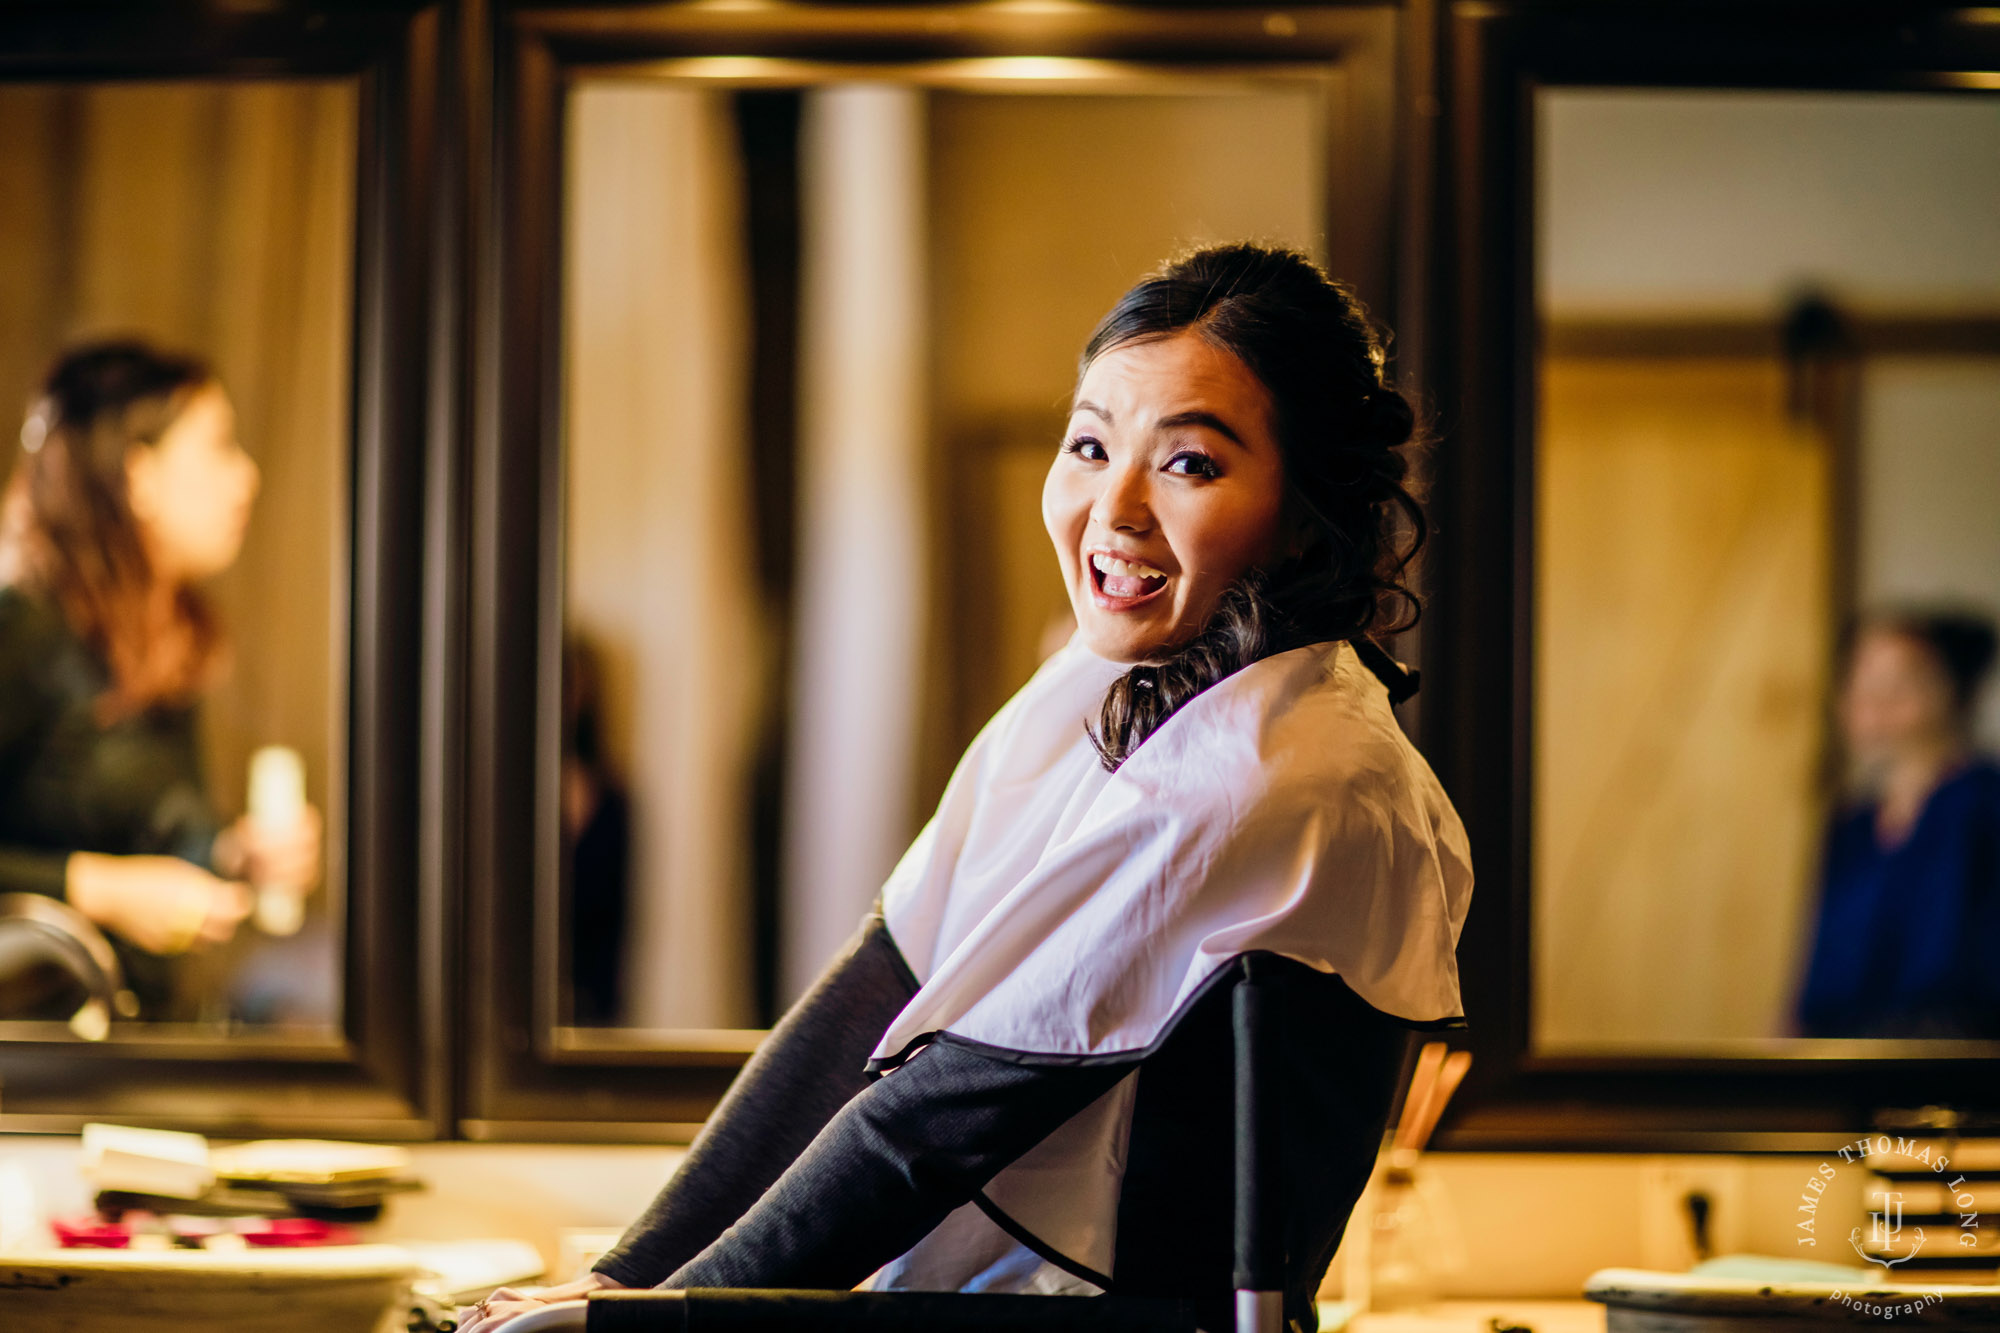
[1908, 936]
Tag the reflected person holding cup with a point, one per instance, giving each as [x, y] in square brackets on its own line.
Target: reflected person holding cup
[130, 489]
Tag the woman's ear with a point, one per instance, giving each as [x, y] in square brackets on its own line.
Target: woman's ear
[142, 470]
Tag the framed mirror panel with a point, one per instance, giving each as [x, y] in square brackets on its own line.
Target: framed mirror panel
[152, 219]
[211, 569]
[1741, 451]
[1727, 337]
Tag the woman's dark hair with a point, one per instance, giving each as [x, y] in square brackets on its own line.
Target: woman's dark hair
[1962, 641]
[1345, 436]
[67, 529]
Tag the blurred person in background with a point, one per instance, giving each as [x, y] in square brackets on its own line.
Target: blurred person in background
[597, 835]
[130, 489]
[1908, 936]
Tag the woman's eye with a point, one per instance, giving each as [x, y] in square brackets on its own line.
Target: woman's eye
[1084, 447]
[1190, 464]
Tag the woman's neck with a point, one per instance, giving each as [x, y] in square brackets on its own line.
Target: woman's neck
[1908, 782]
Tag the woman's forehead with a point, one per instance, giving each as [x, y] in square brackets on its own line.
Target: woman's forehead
[1139, 383]
[1890, 649]
[205, 404]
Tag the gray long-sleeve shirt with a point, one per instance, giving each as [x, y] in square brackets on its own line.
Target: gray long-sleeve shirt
[810, 1175]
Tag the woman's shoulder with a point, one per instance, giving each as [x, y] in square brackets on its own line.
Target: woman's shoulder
[1982, 770]
[1304, 726]
[1976, 786]
[1321, 699]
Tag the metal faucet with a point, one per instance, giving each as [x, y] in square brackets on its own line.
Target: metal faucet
[37, 932]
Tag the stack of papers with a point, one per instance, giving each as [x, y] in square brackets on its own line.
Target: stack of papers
[163, 1162]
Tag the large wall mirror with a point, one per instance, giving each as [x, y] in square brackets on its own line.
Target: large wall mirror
[214, 239]
[1719, 556]
[815, 325]
[148, 222]
[816, 343]
[1768, 408]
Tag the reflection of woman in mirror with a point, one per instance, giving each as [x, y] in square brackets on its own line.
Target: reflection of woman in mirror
[130, 490]
[1208, 770]
[1909, 912]
[596, 826]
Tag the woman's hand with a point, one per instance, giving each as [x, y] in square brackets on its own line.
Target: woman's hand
[161, 903]
[285, 856]
[492, 1314]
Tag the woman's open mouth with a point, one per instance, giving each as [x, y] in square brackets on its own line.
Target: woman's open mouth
[1120, 585]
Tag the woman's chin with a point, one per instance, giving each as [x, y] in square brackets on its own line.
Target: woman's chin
[1127, 644]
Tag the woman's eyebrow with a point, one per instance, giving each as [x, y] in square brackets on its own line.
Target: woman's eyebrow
[1193, 417]
[1208, 419]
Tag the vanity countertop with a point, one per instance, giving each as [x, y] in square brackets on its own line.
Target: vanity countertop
[1641, 1301]
[1477, 1316]
[344, 1289]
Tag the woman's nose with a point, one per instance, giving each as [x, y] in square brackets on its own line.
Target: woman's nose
[1122, 505]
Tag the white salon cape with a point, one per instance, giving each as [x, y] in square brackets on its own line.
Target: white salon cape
[1059, 914]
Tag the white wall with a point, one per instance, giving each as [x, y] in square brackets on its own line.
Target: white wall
[1726, 201]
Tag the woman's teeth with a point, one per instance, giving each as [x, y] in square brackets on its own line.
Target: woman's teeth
[1109, 564]
[1126, 578]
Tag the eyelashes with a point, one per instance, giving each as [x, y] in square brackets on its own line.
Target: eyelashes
[1198, 464]
[1202, 465]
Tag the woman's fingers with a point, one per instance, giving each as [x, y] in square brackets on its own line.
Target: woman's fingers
[506, 1302]
[161, 903]
[489, 1311]
[292, 856]
[287, 854]
[228, 903]
[488, 1316]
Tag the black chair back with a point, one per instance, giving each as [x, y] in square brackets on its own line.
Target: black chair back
[1259, 1244]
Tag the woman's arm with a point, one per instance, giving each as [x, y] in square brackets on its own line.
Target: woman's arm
[32, 870]
[809, 1067]
[891, 1165]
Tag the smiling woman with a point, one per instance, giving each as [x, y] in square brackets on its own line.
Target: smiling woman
[1236, 480]
[1209, 771]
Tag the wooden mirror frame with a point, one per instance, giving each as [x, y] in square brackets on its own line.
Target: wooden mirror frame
[525, 1077]
[1478, 674]
[380, 1075]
